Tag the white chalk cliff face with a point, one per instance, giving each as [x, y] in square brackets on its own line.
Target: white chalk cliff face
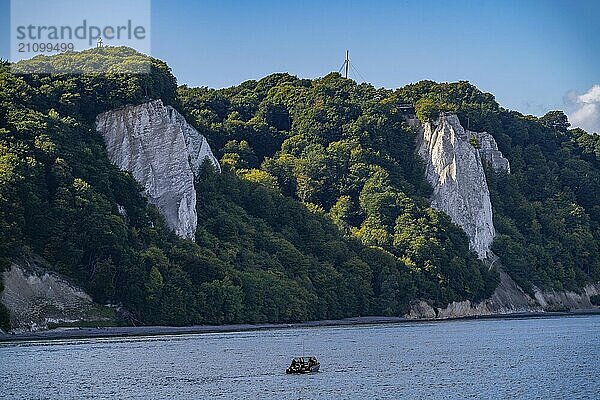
[455, 170]
[488, 149]
[163, 153]
[37, 297]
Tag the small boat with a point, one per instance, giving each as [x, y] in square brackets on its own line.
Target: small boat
[303, 365]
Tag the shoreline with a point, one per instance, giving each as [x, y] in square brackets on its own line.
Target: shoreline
[141, 331]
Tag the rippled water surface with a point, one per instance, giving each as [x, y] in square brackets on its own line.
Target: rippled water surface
[526, 358]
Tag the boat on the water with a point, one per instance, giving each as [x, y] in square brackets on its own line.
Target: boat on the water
[303, 365]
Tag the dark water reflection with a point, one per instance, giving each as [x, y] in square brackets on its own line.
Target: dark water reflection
[526, 358]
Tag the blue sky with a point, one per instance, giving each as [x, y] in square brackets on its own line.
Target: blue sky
[532, 55]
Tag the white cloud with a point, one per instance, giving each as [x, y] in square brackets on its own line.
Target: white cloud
[586, 109]
[592, 96]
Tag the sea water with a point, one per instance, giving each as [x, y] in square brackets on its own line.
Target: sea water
[537, 358]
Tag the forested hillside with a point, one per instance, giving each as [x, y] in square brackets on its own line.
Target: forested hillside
[345, 150]
[321, 210]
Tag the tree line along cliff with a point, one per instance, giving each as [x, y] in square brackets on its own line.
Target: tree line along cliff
[322, 208]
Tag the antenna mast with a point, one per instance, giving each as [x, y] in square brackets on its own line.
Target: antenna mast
[346, 65]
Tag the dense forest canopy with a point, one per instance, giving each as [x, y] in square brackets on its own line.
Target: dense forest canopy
[345, 149]
[321, 210]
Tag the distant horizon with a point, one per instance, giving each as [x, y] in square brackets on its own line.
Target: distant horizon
[533, 56]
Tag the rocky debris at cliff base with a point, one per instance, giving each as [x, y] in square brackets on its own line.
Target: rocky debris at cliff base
[555, 300]
[508, 298]
[38, 299]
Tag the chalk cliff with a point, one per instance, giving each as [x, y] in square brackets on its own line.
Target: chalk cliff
[164, 153]
[488, 149]
[455, 170]
[454, 167]
[38, 298]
